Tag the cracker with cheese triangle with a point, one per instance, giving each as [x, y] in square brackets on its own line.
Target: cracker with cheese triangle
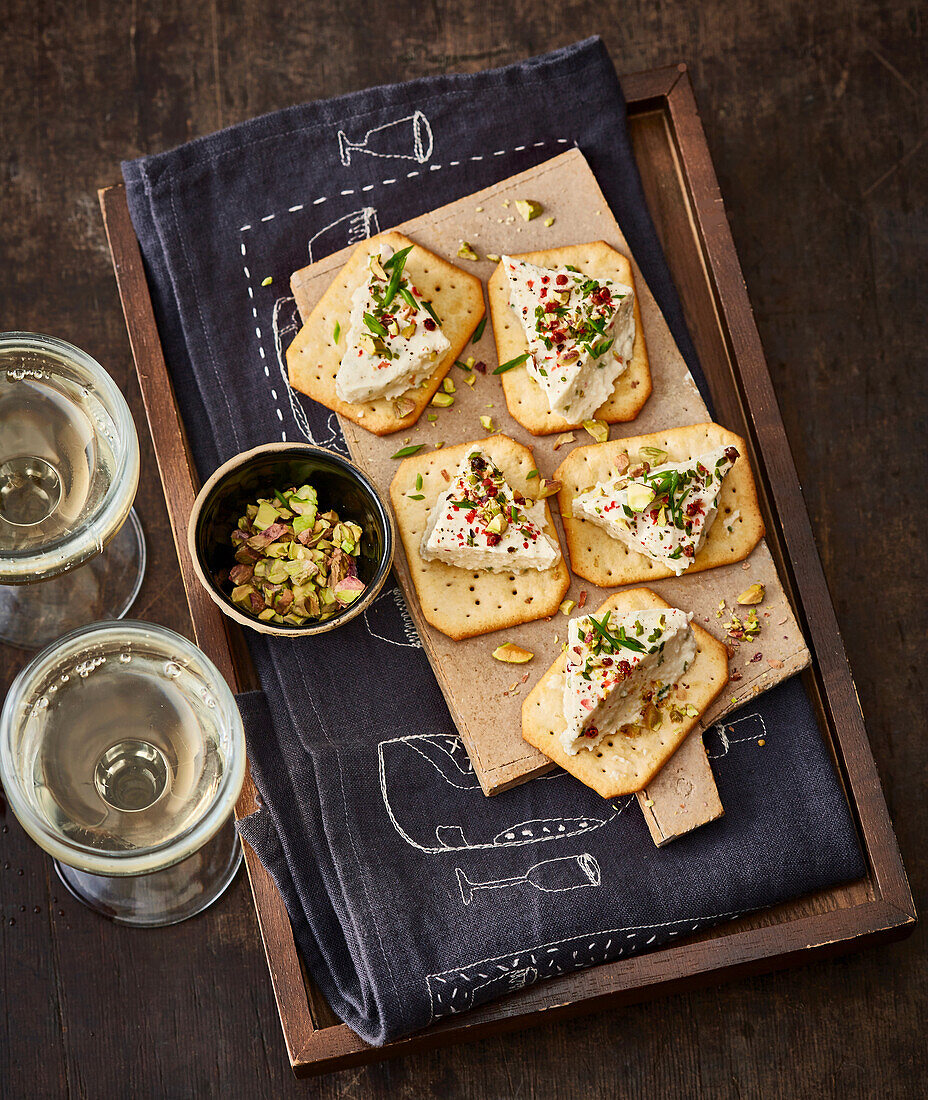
[463, 601]
[606, 560]
[624, 761]
[582, 337]
[315, 358]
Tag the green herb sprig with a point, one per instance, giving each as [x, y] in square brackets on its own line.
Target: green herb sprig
[517, 362]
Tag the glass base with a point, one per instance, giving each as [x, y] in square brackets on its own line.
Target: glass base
[163, 897]
[104, 587]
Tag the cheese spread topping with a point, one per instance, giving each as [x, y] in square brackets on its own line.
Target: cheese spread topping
[481, 522]
[622, 674]
[580, 333]
[394, 338]
[663, 512]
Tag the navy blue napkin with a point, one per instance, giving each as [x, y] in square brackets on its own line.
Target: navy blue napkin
[412, 896]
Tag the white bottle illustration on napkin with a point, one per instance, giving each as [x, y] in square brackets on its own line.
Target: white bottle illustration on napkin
[550, 876]
[408, 138]
[349, 229]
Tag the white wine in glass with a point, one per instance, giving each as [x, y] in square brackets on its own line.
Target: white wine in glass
[69, 470]
[122, 755]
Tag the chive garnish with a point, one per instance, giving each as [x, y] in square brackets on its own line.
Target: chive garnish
[615, 640]
[478, 331]
[406, 294]
[280, 496]
[336, 332]
[418, 482]
[517, 362]
[415, 496]
[532, 473]
[405, 452]
[375, 326]
[427, 306]
[397, 257]
[397, 263]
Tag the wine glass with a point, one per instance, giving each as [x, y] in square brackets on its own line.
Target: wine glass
[550, 876]
[69, 470]
[122, 755]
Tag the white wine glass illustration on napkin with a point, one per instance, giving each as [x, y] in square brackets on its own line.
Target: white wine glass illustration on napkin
[408, 138]
[551, 876]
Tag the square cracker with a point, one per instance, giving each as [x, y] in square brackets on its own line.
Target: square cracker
[313, 358]
[598, 557]
[525, 398]
[622, 764]
[463, 602]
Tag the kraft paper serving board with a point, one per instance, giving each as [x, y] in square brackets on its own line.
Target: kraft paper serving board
[485, 696]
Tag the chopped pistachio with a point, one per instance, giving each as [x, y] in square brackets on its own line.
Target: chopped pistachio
[267, 281]
[403, 406]
[432, 416]
[598, 429]
[753, 594]
[549, 222]
[487, 423]
[548, 488]
[639, 496]
[292, 563]
[654, 456]
[528, 208]
[511, 654]
[567, 606]
[470, 380]
[493, 256]
[564, 437]
[442, 400]
[466, 252]
[447, 384]
[377, 268]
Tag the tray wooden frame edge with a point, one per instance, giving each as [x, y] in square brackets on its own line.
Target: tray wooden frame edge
[315, 1045]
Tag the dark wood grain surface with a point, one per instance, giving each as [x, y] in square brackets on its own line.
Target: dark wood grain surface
[815, 115]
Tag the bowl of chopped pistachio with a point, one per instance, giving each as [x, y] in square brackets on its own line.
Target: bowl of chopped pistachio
[290, 539]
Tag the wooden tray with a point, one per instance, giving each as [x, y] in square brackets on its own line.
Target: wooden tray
[683, 196]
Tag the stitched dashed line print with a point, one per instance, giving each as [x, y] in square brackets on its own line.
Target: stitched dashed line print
[454, 991]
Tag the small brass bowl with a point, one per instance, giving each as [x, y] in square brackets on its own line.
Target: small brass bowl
[257, 473]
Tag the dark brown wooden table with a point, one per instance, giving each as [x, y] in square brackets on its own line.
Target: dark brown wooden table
[815, 116]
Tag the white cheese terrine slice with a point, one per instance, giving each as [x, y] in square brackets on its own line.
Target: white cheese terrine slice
[480, 522]
[664, 512]
[621, 671]
[580, 333]
[394, 341]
